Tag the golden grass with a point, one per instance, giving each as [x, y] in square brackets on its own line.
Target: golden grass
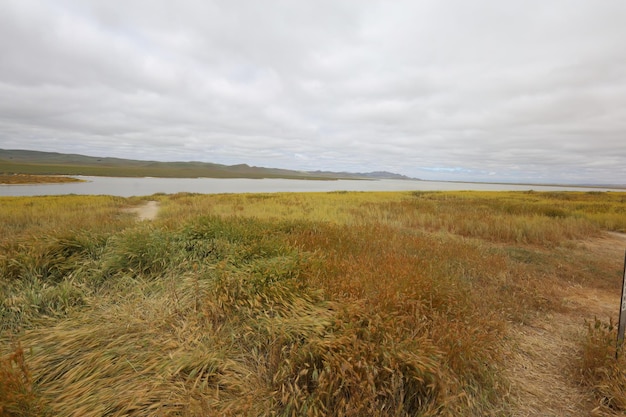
[35, 179]
[603, 368]
[378, 304]
[31, 217]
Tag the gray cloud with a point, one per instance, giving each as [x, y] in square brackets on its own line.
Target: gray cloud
[482, 90]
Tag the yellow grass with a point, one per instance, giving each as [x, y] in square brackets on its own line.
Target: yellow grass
[35, 179]
[382, 304]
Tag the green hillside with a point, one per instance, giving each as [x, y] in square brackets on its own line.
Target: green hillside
[52, 163]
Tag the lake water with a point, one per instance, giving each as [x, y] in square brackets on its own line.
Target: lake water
[127, 187]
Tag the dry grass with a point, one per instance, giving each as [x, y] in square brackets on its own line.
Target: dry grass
[377, 304]
[35, 179]
[17, 397]
[603, 368]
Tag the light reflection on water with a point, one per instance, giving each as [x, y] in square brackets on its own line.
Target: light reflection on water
[127, 187]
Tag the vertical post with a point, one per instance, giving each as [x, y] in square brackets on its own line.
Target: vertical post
[622, 310]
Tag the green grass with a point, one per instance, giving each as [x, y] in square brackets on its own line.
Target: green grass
[377, 304]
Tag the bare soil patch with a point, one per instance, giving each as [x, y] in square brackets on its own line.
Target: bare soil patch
[148, 211]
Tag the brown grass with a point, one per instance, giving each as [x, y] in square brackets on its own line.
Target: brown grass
[35, 179]
[16, 386]
[382, 304]
[603, 368]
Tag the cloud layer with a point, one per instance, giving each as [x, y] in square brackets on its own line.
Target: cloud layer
[483, 90]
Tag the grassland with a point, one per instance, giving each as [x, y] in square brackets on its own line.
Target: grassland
[339, 304]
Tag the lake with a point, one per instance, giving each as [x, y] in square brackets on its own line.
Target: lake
[127, 187]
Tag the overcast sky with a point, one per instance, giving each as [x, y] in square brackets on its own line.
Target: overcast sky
[440, 89]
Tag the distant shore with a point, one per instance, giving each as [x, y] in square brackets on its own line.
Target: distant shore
[25, 179]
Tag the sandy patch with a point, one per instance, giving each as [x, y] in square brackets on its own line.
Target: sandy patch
[148, 211]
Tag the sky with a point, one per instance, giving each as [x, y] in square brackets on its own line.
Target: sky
[482, 90]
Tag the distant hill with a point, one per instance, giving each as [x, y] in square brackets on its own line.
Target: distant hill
[53, 163]
[376, 175]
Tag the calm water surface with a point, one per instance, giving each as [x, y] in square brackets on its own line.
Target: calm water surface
[127, 187]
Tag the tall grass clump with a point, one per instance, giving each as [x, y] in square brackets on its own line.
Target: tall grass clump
[48, 246]
[397, 275]
[143, 250]
[603, 368]
[46, 277]
[17, 398]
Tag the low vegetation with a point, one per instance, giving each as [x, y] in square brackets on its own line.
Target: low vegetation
[339, 304]
[34, 179]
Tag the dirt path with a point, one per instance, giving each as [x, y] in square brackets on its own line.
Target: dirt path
[148, 211]
[540, 363]
[542, 383]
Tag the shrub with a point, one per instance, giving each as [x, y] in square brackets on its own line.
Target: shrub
[17, 397]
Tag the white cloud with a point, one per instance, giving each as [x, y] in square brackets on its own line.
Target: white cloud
[483, 90]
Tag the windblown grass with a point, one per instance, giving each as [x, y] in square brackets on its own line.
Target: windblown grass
[604, 369]
[31, 218]
[377, 304]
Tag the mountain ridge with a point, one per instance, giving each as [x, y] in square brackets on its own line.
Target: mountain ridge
[20, 161]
